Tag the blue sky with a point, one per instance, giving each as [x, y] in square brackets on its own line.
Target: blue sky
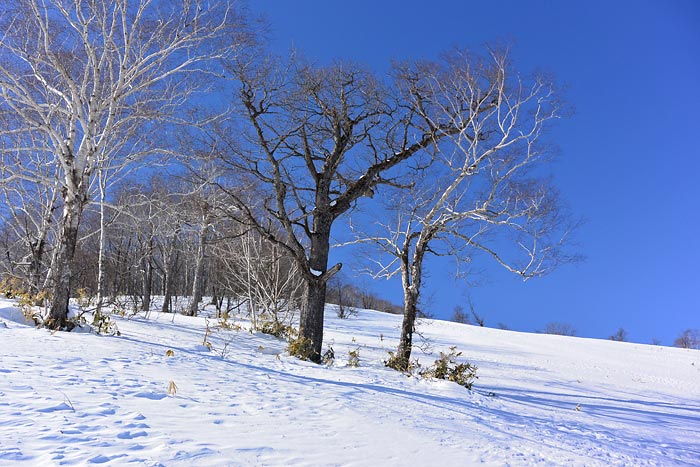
[630, 157]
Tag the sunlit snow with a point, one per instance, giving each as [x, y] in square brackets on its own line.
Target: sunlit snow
[80, 398]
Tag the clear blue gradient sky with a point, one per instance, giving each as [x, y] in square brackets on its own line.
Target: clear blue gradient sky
[630, 157]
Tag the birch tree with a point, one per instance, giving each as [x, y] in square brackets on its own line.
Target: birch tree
[479, 193]
[86, 76]
[261, 276]
[203, 211]
[29, 211]
[144, 225]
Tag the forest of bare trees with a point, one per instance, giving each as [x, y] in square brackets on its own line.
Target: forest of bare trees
[152, 148]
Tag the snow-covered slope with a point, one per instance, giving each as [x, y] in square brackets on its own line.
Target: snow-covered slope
[74, 399]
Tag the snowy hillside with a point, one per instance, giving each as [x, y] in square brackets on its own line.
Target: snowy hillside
[78, 398]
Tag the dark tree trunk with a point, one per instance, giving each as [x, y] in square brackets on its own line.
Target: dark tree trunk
[411, 274]
[147, 285]
[170, 260]
[408, 325]
[311, 320]
[37, 255]
[62, 268]
[167, 284]
[168, 291]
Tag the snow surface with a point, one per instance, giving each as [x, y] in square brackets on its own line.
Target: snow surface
[81, 399]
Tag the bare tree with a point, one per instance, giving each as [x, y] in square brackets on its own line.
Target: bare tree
[317, 140]
[478, 193]
[168, 242]
[619, 336]
[261, 276]
[460, 316]
[203, 226]
[87, 77]
[136, 219]
[478, 318]
[28, 213]
[152, 240]
[344, 295]
[689, 339]
[560, 329]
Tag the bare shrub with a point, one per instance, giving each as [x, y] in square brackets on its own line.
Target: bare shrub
[559, 329]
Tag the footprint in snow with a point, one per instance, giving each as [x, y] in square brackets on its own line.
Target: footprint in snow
[56, 408]
[151, 395]
[136, 425]
[12, 454]
[100, 459]
[131, 435]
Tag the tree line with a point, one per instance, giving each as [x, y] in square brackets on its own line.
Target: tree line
[256, 162]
